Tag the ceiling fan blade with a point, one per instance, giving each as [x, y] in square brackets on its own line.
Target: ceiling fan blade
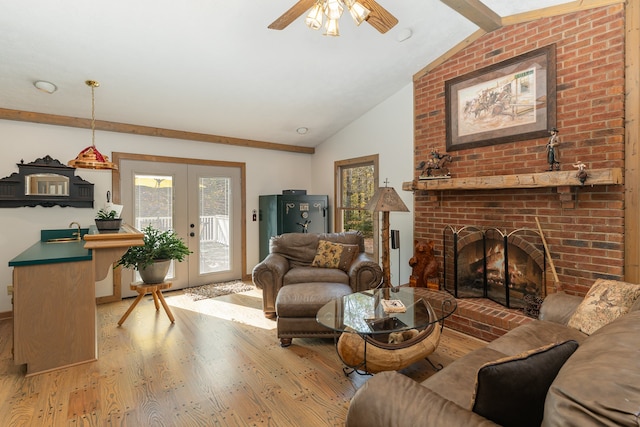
[292, 14]
[379, 18]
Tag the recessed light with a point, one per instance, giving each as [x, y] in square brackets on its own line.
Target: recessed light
[44, 86]
[302, 130]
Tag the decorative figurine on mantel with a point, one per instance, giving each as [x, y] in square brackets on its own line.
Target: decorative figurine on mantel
[582, 174]
[553, 157]
[436, 167]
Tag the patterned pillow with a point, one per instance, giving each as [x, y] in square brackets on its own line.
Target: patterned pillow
[334, 255]
[606, 301]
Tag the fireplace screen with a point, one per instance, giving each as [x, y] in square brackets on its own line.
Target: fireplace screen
[489, 263]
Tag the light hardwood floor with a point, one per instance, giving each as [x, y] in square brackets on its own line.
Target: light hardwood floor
[220, 364]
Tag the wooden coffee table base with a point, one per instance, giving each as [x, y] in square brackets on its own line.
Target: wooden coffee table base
[359, 354]
[156, 291]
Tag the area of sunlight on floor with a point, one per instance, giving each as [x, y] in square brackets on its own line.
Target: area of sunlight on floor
[223, 308]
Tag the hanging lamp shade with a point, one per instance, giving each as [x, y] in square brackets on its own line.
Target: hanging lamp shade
[90, 157]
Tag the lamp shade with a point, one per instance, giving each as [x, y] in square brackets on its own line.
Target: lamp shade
[386, 199]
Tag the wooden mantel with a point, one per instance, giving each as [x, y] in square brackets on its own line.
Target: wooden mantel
[609, 176]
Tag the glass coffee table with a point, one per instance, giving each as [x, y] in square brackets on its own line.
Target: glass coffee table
[375, 340]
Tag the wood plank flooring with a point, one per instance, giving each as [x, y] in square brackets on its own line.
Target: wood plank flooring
[220, 364]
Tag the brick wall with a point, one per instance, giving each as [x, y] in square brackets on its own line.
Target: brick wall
[585, 238]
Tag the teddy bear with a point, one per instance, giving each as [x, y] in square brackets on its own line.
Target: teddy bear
[424, 265]
[402, 336]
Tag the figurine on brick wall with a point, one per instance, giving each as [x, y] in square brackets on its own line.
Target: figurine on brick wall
[582, 174]
[425, 271]
[436, 167]
[553, 157]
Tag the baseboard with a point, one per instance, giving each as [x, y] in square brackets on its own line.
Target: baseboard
[6, 315]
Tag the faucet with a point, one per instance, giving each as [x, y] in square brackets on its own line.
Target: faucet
[77, 234]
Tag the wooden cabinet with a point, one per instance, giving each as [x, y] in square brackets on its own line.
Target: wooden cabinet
[54, 298]
[54, 315]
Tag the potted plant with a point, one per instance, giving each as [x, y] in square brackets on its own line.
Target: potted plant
[106, 220]
[153, 259]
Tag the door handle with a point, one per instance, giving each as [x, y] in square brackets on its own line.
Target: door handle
[192, 234]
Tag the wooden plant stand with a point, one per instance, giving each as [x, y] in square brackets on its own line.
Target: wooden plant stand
[156, 291]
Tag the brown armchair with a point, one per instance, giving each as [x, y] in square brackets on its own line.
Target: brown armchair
[293, 290]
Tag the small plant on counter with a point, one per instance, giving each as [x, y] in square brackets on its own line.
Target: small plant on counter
[106, 221]
[158, 246]
[106, 214]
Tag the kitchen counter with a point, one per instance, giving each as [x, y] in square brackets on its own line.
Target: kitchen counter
[45, 252]
[52, 253]
[54, 302]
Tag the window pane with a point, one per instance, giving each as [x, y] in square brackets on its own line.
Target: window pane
[153, 196]
[215, 209]
[362, 221]
[357, 186]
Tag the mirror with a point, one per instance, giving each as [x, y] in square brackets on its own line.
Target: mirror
[46, 184]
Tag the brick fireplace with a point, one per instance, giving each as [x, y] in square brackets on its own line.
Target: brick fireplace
[583, 224]
[504, 267]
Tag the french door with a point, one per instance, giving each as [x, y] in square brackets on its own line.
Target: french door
[201, 203]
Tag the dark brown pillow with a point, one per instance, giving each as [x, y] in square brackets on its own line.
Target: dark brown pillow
[511, 391]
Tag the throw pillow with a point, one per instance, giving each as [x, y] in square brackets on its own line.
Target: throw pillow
[511, 391]
[334, 255]
[606, 301]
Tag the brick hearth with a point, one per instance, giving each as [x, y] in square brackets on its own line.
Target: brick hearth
[480, 317]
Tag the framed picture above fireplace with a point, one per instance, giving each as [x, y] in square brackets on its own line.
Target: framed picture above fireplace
[513, 100]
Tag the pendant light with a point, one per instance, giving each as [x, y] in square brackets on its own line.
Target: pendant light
[90, 157]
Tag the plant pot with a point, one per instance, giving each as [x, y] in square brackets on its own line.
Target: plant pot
[108, 224]
[156, 272]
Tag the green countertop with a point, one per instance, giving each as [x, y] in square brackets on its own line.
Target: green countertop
[52, 253]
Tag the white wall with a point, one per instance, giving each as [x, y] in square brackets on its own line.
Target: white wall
[21, 227]
[386, 130]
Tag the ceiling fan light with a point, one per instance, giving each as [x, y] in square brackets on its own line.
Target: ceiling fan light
[359, 13]
[331, 28]
[333, 9]
[314, 18]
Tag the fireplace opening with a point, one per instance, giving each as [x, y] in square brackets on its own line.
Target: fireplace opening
[508, 268]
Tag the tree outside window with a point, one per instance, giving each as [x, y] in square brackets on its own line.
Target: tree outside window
[356, 182]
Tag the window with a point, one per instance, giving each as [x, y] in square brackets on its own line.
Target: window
[356, 181]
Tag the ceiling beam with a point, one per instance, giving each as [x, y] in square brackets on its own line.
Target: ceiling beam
[52, 119]
[476, 12]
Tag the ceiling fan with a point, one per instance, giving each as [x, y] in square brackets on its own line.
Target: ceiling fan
[361, 10]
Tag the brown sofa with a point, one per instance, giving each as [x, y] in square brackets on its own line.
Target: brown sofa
[555, 385]
[293, 290]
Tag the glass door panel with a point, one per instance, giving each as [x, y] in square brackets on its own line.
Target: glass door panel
[153, 205]
[215, 203]
[215, 224]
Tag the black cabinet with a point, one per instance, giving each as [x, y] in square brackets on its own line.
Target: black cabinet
[45, 182]
[288, 213]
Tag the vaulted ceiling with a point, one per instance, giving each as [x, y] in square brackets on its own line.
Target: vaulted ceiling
[213, 66]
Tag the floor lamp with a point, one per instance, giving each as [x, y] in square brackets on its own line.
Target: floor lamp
[386, 200]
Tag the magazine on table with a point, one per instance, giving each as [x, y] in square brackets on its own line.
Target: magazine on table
[393, 306]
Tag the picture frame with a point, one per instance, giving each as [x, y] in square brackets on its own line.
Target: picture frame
[512, 100]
